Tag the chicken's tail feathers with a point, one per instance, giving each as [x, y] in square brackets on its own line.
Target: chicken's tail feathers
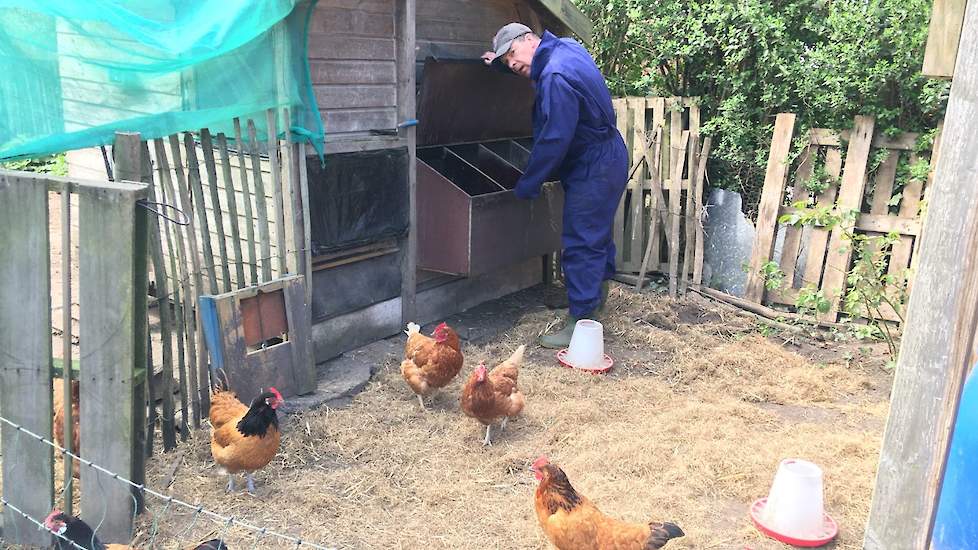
[220, 383]
[517, 357]
[412, 328]
[662, 533]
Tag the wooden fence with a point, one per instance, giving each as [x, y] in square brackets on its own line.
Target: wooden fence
[246, 207]
[112, 239]
[657, 226]
[217, 225]
[879, 203]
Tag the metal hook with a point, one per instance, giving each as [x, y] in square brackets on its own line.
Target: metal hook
[148, 206]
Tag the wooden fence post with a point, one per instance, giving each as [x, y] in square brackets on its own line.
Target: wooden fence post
[406, 54]
[942, 318]
[767, 211]
[25, 372]
[113, 316]
[850, 198]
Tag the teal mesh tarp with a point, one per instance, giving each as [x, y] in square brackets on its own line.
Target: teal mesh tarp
[73, 72]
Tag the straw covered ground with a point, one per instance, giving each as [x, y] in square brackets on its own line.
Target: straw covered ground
[688, 427]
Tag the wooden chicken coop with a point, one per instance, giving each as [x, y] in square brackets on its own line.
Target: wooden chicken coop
[419, 222]
[414, 223]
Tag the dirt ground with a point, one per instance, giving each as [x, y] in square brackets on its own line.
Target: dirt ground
[689, 427]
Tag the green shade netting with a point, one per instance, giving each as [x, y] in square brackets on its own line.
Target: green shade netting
[73, 72]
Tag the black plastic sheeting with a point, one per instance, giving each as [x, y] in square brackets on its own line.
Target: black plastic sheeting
[358, 199]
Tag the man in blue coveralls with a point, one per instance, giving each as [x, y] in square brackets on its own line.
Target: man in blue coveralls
[575, 140]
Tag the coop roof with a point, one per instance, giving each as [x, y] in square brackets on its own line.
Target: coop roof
[567, 13]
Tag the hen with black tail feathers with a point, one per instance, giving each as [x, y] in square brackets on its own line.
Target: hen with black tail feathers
[572, 522]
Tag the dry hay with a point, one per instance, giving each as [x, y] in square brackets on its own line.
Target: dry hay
[689, 427]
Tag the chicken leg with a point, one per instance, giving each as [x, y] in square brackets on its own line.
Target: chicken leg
[251, 483]
[487, 441]
[230, 487]
[421, 400]
[502, 425]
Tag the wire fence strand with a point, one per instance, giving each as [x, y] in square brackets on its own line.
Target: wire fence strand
[169, 499]
[40, 525]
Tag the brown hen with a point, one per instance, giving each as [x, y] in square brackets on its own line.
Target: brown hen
[572, 522]
[244, 439]
[59, 424]
[492, 396]
[431, 362]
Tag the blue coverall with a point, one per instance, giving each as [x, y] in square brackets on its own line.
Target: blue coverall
[575, 138]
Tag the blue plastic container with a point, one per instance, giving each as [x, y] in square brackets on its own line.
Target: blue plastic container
[956, 527]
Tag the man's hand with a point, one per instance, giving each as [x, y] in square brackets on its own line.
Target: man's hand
[488, 57]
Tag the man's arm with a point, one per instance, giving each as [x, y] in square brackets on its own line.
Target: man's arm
[560, 108]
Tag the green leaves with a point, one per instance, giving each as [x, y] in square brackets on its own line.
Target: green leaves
[55, 164]
[773, 276]
[824, 60]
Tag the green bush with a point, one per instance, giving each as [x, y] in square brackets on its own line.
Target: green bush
[54, 164]
[825, 60]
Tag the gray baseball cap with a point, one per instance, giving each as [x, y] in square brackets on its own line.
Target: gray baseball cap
[504, 39]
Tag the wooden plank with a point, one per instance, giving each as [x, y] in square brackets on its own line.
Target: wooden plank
[288, 150]
[81, 186]
[260, 205]
[826, 137]
[675, 204]
[207, 146]
[222, 147]
[200, 397]
[634, 216]
[405, 23]
[359, 142]
[928, 190]
[943, 36]
[697, 188]
[691, 163]
[850, 198]
[299, 316]
[292, 206]
[688, 216]
[306, 226]
[345, 96]
[942, 316]
[767, 216]
[132, 162]
[655, 181]
[66, 374]
[145, 418]
[876, 223]
[819, 237]
[350, 47]
[883, 223]
[359, 120]
[299, 185]
[197, 192]
[909, 208]
[134, 169]
[359, 72]
[792, 236]
[25, 373]
[246, 195]
[694, 132]
[112, 305]
[650, 160]
[622, 121]
[277, 194]
[571, 16]
[883, 184]
[178, 275]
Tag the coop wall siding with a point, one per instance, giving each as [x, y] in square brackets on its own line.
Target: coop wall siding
[352, 61]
